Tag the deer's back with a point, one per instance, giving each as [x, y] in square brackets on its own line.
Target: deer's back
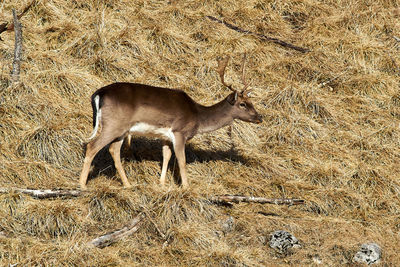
[161, 107]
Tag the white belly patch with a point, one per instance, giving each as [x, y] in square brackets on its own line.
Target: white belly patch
[145, 129]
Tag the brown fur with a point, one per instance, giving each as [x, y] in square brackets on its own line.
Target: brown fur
[125, 104]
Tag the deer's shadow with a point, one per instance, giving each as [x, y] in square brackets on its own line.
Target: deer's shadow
[143, 149]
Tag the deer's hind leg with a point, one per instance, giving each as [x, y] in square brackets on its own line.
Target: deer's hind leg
[106, 136]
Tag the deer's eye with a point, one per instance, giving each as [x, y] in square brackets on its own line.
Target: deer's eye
[242, 105]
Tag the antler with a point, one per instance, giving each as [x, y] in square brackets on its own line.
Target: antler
[221, 70]
[243, 78]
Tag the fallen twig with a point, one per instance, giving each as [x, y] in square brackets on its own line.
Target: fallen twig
[227, 199]
[9, 27]
[44, 193]
[114, 236]
[221, 199]
[261, 36]
[18, 48]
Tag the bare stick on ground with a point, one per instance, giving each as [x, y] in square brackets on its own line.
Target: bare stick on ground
[114, 236]
[44, 193]
[260, 36]
[9, 27]
[228, 199]
[222, 199]
[18, 48]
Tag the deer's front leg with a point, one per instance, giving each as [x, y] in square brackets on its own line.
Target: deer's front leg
[115, 151]
[166, 157]
[179, 148]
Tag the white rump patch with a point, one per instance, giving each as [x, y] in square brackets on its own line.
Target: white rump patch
[145, 129]
[98, 116]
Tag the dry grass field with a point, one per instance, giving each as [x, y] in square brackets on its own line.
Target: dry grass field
[330, 133]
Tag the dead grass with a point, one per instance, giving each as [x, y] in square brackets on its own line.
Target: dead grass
[330, 134]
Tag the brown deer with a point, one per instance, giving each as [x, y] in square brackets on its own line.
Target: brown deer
[123, 109]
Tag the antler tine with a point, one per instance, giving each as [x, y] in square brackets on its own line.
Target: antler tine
[221, 70]
[243, 77]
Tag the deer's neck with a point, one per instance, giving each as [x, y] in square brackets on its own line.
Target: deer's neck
[214, 117]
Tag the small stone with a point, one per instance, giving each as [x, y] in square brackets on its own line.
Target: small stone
[283, 241]
[369, 253]
[228, 224]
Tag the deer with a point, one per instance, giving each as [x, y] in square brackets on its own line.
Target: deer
[126, 109]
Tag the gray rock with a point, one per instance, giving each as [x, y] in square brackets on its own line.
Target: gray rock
[283, 241]
[228, 224]
[369, 253]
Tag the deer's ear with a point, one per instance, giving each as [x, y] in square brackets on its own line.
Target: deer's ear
[232, 98]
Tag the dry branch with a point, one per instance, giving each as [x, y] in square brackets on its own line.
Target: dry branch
[222, 199]
[228, 199]
[260, 36]
[9, 27]
[18, 48]
[114, 236]
[44, 193]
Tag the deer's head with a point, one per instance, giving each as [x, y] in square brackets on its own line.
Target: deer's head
[242, 108]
